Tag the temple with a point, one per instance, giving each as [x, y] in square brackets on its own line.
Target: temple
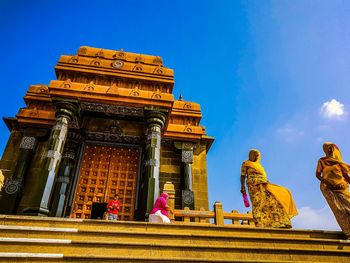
[109, 124]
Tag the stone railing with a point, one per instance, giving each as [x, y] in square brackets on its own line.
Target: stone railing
[217, 216]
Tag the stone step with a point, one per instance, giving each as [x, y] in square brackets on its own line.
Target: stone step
[46, 257]
[53, 258]
[229, 230]
[9, 231]
[146, 250]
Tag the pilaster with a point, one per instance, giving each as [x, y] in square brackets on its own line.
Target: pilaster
[64, 179]
[187, 161]
[65, 112]
[155, 122]
[13, 186]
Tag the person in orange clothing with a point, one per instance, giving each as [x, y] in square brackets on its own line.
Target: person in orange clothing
[334, 173]
[272, 205]
[113, 208]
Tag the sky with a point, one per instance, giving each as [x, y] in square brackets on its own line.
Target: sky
[271, 75]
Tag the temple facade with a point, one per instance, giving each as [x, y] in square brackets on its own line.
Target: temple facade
[109, 124]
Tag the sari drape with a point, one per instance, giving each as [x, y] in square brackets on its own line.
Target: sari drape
[334, 185]
[272, 205]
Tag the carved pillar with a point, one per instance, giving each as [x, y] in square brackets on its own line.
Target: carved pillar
[64, 179]
[155, 123]
[13, 186]
[65, 112]
[187, 161]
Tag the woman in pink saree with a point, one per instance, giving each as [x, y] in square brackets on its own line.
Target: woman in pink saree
[159, 213]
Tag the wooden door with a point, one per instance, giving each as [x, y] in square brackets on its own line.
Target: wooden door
[105, 171]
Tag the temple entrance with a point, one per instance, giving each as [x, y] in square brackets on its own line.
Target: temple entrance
[105, 171]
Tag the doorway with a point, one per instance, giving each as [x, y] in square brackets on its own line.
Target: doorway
[105, 171]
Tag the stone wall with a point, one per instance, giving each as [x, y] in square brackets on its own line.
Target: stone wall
[170, 170]
[200, 178]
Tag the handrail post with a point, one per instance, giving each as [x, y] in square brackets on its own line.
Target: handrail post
[170, 190]
[201, 219]
[187, 218]
[235, 221]
[219, 214]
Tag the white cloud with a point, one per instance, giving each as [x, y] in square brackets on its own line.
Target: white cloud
[290, 133]
[310, 218]
[333, 109]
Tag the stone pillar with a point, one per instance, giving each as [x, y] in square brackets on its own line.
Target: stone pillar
[65, 112]
[64, 179]
[187, 161]
[13, 186]
[155, 123]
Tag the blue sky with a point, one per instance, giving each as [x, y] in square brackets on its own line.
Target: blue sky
[272, 75]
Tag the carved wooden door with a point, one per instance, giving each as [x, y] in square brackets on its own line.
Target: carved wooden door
[104, 172]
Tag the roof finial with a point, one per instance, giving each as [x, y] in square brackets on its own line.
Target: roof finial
[180, 97]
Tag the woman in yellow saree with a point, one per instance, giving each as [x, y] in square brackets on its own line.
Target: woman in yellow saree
[272, 205]
[334, 176]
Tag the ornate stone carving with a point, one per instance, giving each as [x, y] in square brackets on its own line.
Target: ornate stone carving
[156, 95]
[113, 89]
[188, 198]
[74, 124]
[28, 143]
[112, 109]
[114, 129]
[117, 64]
[89, 87]
[69, 155]
[187, 106]
[12, 186]
[74, 59]
[96, 62]
[187, 156]
[158, 70]
[188, 129]
[138, 67]
[67, 84]
[110, 137]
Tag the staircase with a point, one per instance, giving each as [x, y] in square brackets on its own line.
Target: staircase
[41, 239]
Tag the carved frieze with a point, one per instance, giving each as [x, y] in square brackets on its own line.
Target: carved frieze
[111, 109]
[113, 137]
